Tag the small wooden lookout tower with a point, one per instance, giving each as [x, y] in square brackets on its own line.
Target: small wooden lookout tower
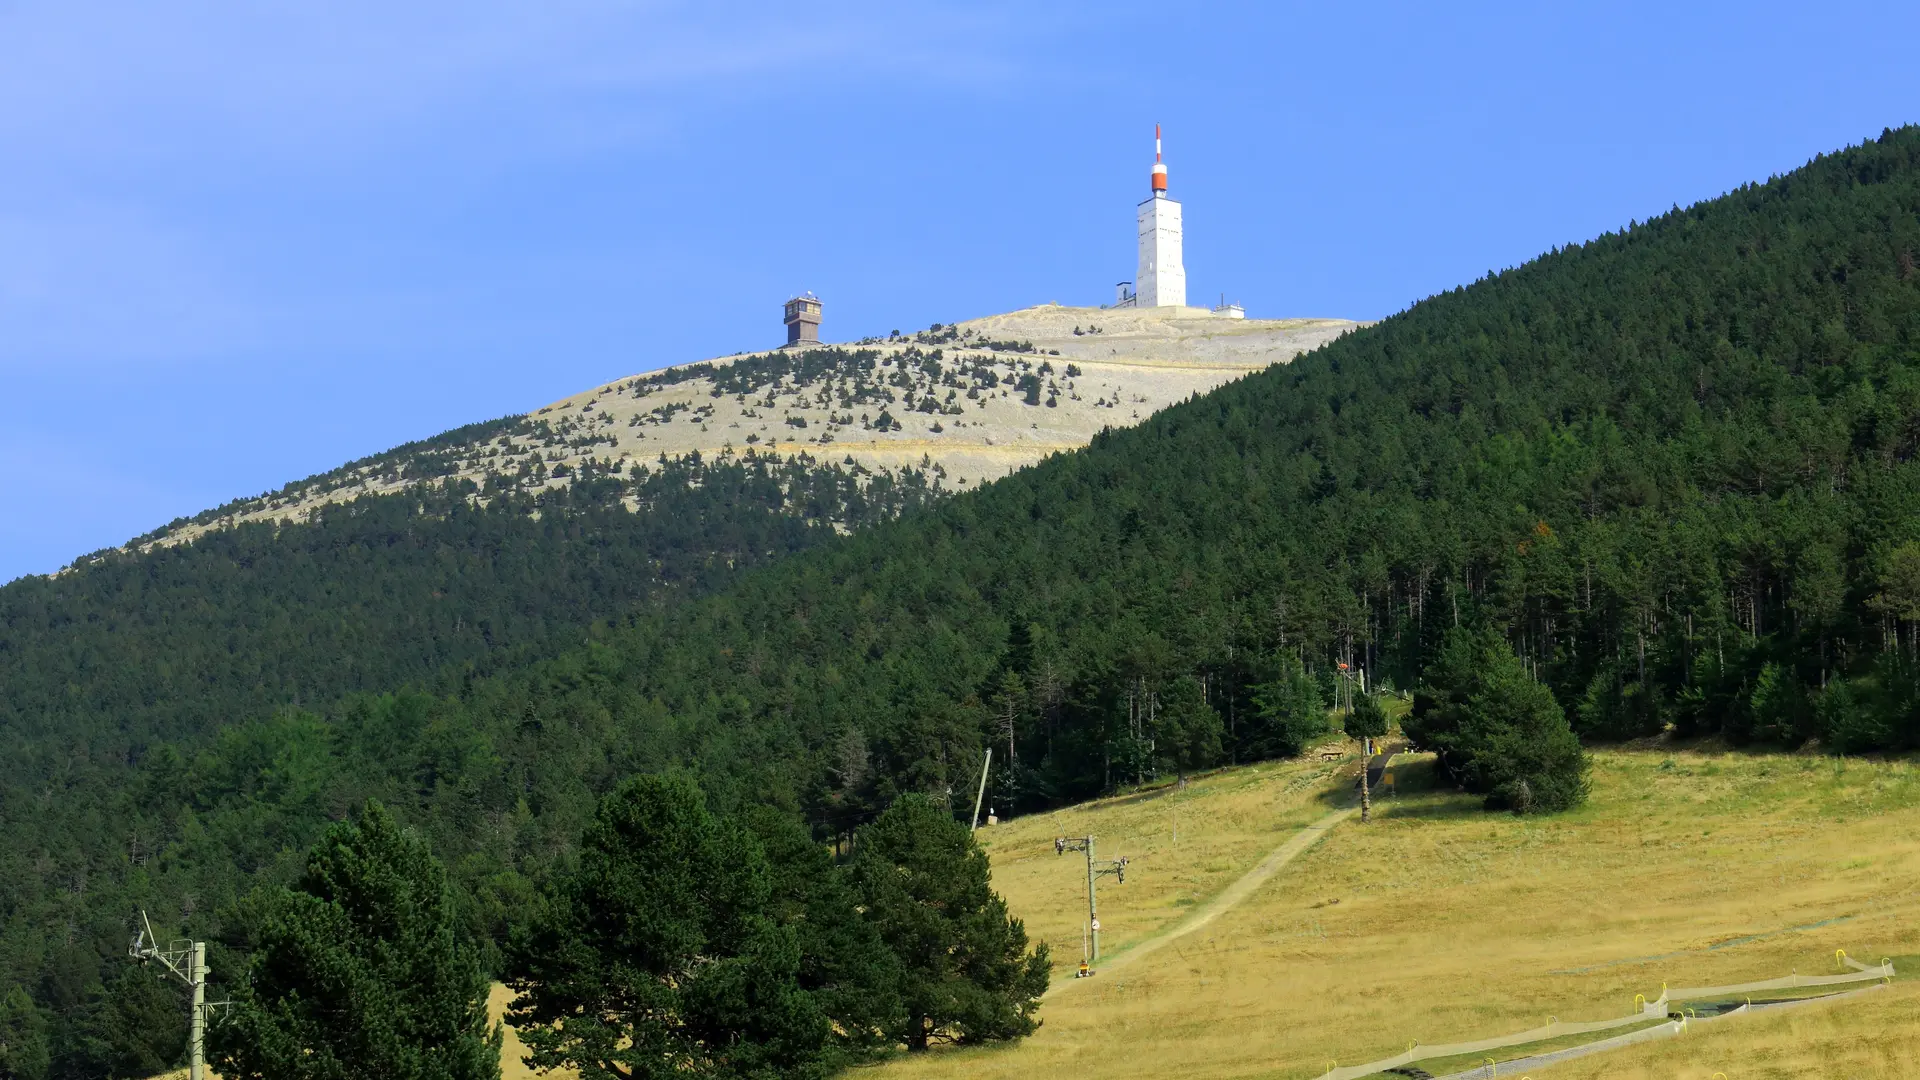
[803, 320]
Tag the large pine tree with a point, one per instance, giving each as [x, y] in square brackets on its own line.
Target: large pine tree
[1497, 730]
[658, 958]
[360, 972]
[849, 971]
[967, 974]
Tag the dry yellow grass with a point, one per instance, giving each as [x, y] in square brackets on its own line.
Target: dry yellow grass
[511, 1065]
[1184, 845]
[1872, 1037]
[1439, 922]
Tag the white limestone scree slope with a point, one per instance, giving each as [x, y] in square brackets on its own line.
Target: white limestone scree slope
[1093, 368]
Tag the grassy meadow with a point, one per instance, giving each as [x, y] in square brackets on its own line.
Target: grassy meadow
[1440, 922]
[1183, 846]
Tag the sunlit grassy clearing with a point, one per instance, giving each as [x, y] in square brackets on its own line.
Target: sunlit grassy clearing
[1439, 922]
[1183, 845]
[512, 1067]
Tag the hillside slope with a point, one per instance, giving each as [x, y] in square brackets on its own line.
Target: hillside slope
[160, 712]
[1674, 465]
[1380, 934]
[1438, 923]
[391, 590]
[198, 690]
[504, 540]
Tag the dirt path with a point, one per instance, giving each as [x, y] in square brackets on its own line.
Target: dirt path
[1221, 903]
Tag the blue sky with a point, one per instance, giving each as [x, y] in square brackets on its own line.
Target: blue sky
[242, 243]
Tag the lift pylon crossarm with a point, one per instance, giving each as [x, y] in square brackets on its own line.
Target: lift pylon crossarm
[1095, 868]
[187, 961]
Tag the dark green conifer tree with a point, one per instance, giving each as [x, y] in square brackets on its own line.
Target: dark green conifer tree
[1292, 711]
[1366, 720]
[851, 974]
[966, 973]
[1188, 729]
[1499, 732]
[657, 957]
[360, 972]
[131, 1025]
[24, 1051]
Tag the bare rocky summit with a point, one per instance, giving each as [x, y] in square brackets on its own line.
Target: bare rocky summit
[967, 403]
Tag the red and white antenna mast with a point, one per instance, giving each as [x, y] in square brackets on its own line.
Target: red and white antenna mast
[1159, 169]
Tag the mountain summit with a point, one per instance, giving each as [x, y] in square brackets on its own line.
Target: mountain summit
[968, 402]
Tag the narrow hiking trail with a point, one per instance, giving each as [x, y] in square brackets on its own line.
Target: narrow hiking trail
[1231, 896]
[1222, 902]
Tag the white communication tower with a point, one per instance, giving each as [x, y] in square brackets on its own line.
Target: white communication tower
[1162, 280]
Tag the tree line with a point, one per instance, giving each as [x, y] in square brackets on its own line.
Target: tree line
[681, 943]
